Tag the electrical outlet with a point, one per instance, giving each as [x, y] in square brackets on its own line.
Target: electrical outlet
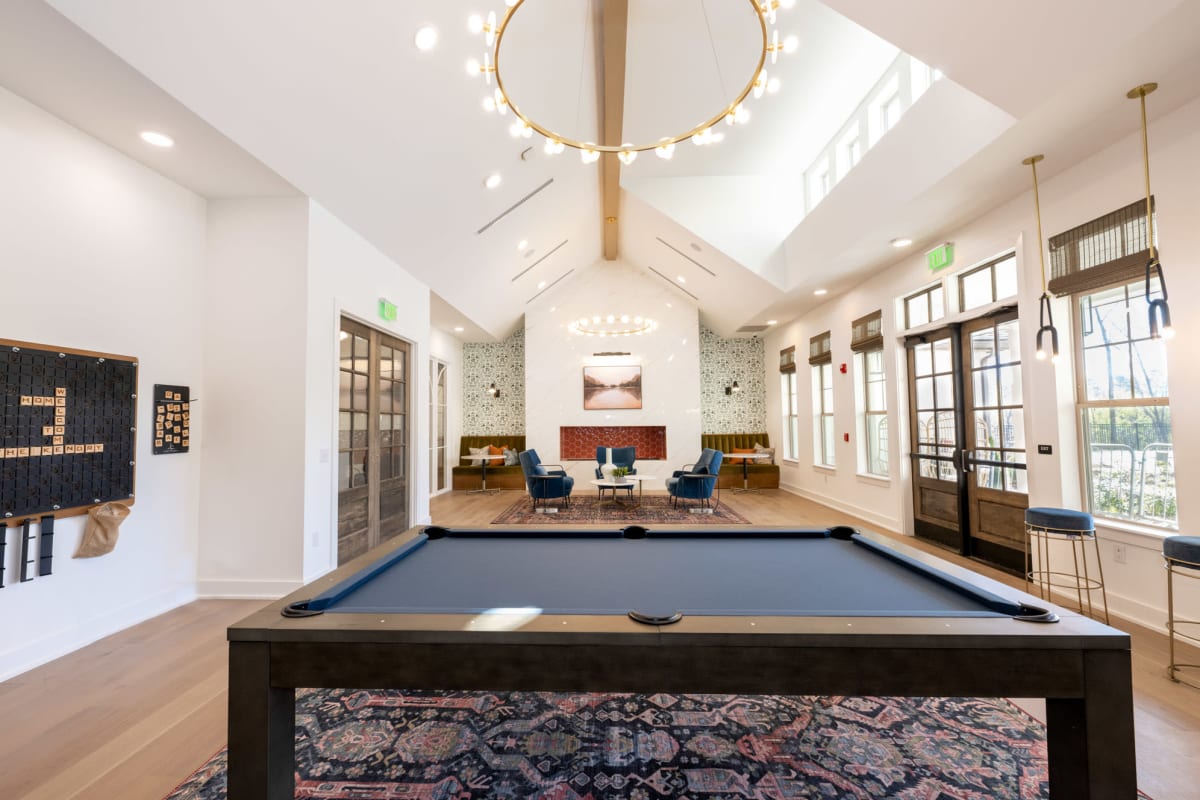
[1119, 553]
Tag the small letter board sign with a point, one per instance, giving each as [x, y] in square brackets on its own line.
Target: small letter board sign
[172, 419]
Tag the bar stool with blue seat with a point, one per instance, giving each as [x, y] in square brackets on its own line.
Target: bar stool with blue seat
[1182, 557]
[1044, 527]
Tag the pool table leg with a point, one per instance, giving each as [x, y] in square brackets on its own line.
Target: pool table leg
[1090, 739]
[262, 727]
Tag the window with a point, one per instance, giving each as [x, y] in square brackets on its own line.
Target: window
[437, 425]
[986, 284]
[818, 186]
[866, 340]
[822, 376]
[849, 151]
[927, 305]
[1124, 409]
[820, 359]
[787, 392]
[889, 113]
[791, 417]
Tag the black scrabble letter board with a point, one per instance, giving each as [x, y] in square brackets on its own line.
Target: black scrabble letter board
[67, 429]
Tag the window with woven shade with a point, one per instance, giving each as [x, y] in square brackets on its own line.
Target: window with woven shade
[866, 333]
[819, 351]
[787, 359]
[1108, 250]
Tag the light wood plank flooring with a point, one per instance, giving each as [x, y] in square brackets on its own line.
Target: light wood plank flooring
[131, 716]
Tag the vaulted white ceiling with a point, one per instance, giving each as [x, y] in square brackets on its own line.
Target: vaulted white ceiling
[335, 99]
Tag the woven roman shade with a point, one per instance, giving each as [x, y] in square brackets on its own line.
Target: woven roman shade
[787, 359]
[819, 350]
[866, 333]
[1110, 249]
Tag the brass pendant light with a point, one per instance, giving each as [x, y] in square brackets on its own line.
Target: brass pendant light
[1160, 313]
[1045, 313]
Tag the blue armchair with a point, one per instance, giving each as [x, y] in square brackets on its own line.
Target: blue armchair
[697, 481]
[621, 457]
[545, 481]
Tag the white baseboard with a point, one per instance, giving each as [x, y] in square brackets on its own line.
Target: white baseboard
[245, 590]
[881, 521]
[88, 630]
[1120, 607]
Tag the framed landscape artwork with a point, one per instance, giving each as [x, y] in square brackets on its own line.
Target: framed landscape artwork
[612, 387]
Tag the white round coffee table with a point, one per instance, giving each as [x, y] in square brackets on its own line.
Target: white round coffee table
[483, 462]
[612, 485]
[746, 468]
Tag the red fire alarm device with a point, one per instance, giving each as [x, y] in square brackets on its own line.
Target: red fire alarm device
[843, 368]
[845, 437]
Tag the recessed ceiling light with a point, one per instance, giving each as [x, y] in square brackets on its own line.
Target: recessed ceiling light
[772, 321]
[529, 253]
[458, 328]
[541, 284]
[426, 38]
[901, 242]
[681, 279]
[820, 292]
[521, 245]
[157, 139]
[492, 180]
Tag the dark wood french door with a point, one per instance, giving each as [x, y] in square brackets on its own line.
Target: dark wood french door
[967, 428]
[373, 439]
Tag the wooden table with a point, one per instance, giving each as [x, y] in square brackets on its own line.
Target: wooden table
[612, 484]
[483, 462]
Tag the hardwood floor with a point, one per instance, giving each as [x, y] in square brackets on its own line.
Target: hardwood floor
[132, 715]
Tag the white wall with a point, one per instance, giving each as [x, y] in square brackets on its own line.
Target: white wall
[100, 253]
[347, 276]
[252, 483]
[670, 359]
[1108, 180]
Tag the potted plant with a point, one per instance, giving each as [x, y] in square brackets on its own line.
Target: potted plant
[619, 473]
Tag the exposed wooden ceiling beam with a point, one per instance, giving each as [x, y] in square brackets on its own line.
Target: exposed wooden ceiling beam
[614, 28]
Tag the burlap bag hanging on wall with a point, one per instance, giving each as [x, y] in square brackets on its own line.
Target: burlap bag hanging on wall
[100, 535]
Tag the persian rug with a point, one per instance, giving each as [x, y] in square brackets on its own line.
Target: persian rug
[586, 509]
[388, 745]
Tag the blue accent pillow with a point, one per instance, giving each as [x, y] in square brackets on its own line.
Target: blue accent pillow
[540, 470]
[510, 457]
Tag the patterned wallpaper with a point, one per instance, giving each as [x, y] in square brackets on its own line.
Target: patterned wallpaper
[504, 364]
[723, 361]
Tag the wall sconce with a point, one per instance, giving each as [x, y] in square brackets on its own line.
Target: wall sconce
[492, 390]
[1160, 314]
[733, 388]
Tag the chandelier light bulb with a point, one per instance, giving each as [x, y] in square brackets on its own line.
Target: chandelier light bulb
[589, 156]
[489, 104]
[1054, 359]
[787, 4]
[760, 85]
[773, 86]
[703, 137]
[774, 47]
[514, 129]
[501, 101]
[490, 28]
[596, 320]
[473, 67]
[475, 23]
[1041, 354]
[791, 44]
[610, 319]
[627, 156]
[624, 318]
[1168, 332]
[553, 147]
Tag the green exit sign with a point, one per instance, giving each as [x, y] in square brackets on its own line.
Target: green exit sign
[387, 310]
[940, 257]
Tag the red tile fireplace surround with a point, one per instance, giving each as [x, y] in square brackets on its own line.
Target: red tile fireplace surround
[579, 443]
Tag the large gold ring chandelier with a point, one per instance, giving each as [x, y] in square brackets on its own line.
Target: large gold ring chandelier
[734, 113]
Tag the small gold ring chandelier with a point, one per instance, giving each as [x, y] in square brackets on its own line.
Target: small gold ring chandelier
[735, 113]
[612, 325]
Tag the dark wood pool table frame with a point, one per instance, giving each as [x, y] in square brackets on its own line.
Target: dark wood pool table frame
[1080, 666]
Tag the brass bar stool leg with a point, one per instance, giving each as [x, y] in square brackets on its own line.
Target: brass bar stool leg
[1079, 587]
[1027, 564]
[1087, 580]
[1171, 620]
[1100, 573]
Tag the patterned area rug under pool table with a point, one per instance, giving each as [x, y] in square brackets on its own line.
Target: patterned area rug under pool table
[364, 745]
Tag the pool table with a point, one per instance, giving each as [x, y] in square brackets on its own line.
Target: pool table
[740, 610]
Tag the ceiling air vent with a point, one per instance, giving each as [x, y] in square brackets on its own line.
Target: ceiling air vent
[752, 329]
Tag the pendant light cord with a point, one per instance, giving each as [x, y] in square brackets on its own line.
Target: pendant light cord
[1146, 161]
